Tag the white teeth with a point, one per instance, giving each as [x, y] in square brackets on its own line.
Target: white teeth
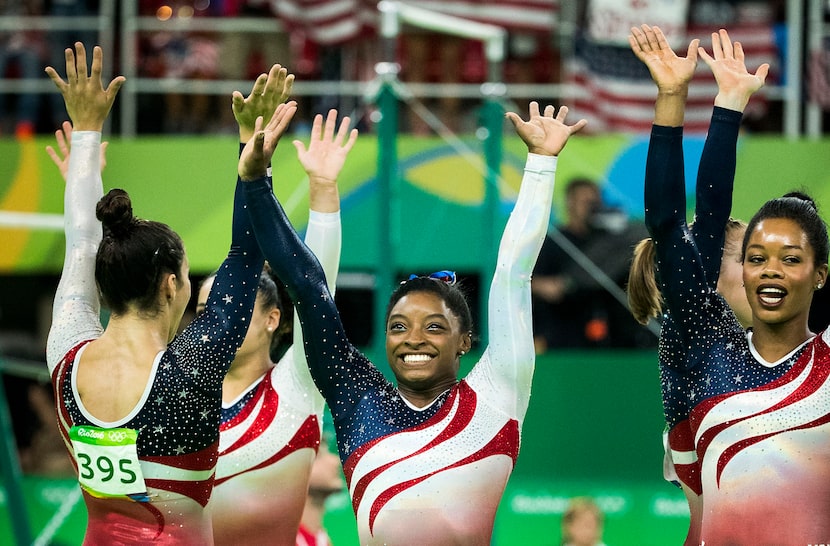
[772, 291]
[771, 296]
[416, 358]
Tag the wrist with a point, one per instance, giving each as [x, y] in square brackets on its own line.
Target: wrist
[321, 180]
[88, 126]
[732, 101]
[250, 177]
[677, 90]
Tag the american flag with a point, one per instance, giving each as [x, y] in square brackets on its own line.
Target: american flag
[613, 89]
[514, 15]
[819, 83]
[325, 22]
[338, 21]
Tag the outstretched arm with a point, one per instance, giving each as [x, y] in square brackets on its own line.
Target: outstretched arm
[231, 300]
[75, 313]
[508, 362]
[322, 160]
[716, 172]
[333, 361]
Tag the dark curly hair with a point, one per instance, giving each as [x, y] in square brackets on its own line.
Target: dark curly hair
[133, 256]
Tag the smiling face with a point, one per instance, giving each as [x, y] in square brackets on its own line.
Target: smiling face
[424, 340]
[780, 273]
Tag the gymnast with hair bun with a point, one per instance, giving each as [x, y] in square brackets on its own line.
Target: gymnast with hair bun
[138, 406]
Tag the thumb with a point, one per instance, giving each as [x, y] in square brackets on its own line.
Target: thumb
[692, 52]
[762, 72]
[115, 85]
[514, 118]
[298, 144]
[237, 101]
[259, 142]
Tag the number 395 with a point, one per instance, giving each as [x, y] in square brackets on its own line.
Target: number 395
[105, 466]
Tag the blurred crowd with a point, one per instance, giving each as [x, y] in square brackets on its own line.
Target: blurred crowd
[338, 41]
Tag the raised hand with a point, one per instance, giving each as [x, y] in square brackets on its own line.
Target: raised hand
[269, 91]
[255, 157]
[324, 158]
[326, 152]
[63, 136]
[735, 83]
[545, 134]
[87, 102]
[670, 72]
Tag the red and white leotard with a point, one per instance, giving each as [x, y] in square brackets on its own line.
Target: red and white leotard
[270, 434]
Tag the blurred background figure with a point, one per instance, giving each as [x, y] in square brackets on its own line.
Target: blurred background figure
[571, 308]
[59, 40]
[582, 523]
[325, 480]
[184, 55]
[21, 56]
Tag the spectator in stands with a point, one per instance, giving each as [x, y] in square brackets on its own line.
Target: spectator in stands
[21, 54]
[245, 55]
[571, 308]
[181, 55]
[432, 57]
[59, 40]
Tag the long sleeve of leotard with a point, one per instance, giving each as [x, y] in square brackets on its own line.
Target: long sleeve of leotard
[508, 362]
[715, 180]
[340, 372]
[75, 313]
[324, 238]
[683, 281]
[209, 343]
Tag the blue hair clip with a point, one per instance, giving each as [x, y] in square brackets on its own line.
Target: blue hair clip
[444, 275]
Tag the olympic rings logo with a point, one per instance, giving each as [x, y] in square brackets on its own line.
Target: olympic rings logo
[117, 436]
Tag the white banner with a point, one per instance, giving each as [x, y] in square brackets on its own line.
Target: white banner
[610, 21]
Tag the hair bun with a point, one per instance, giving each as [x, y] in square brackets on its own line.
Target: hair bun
[115, 211]
[803, 196]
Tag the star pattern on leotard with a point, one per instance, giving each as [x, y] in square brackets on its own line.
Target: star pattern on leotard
[716, 362]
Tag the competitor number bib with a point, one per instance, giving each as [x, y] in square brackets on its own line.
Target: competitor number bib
[108, 461]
